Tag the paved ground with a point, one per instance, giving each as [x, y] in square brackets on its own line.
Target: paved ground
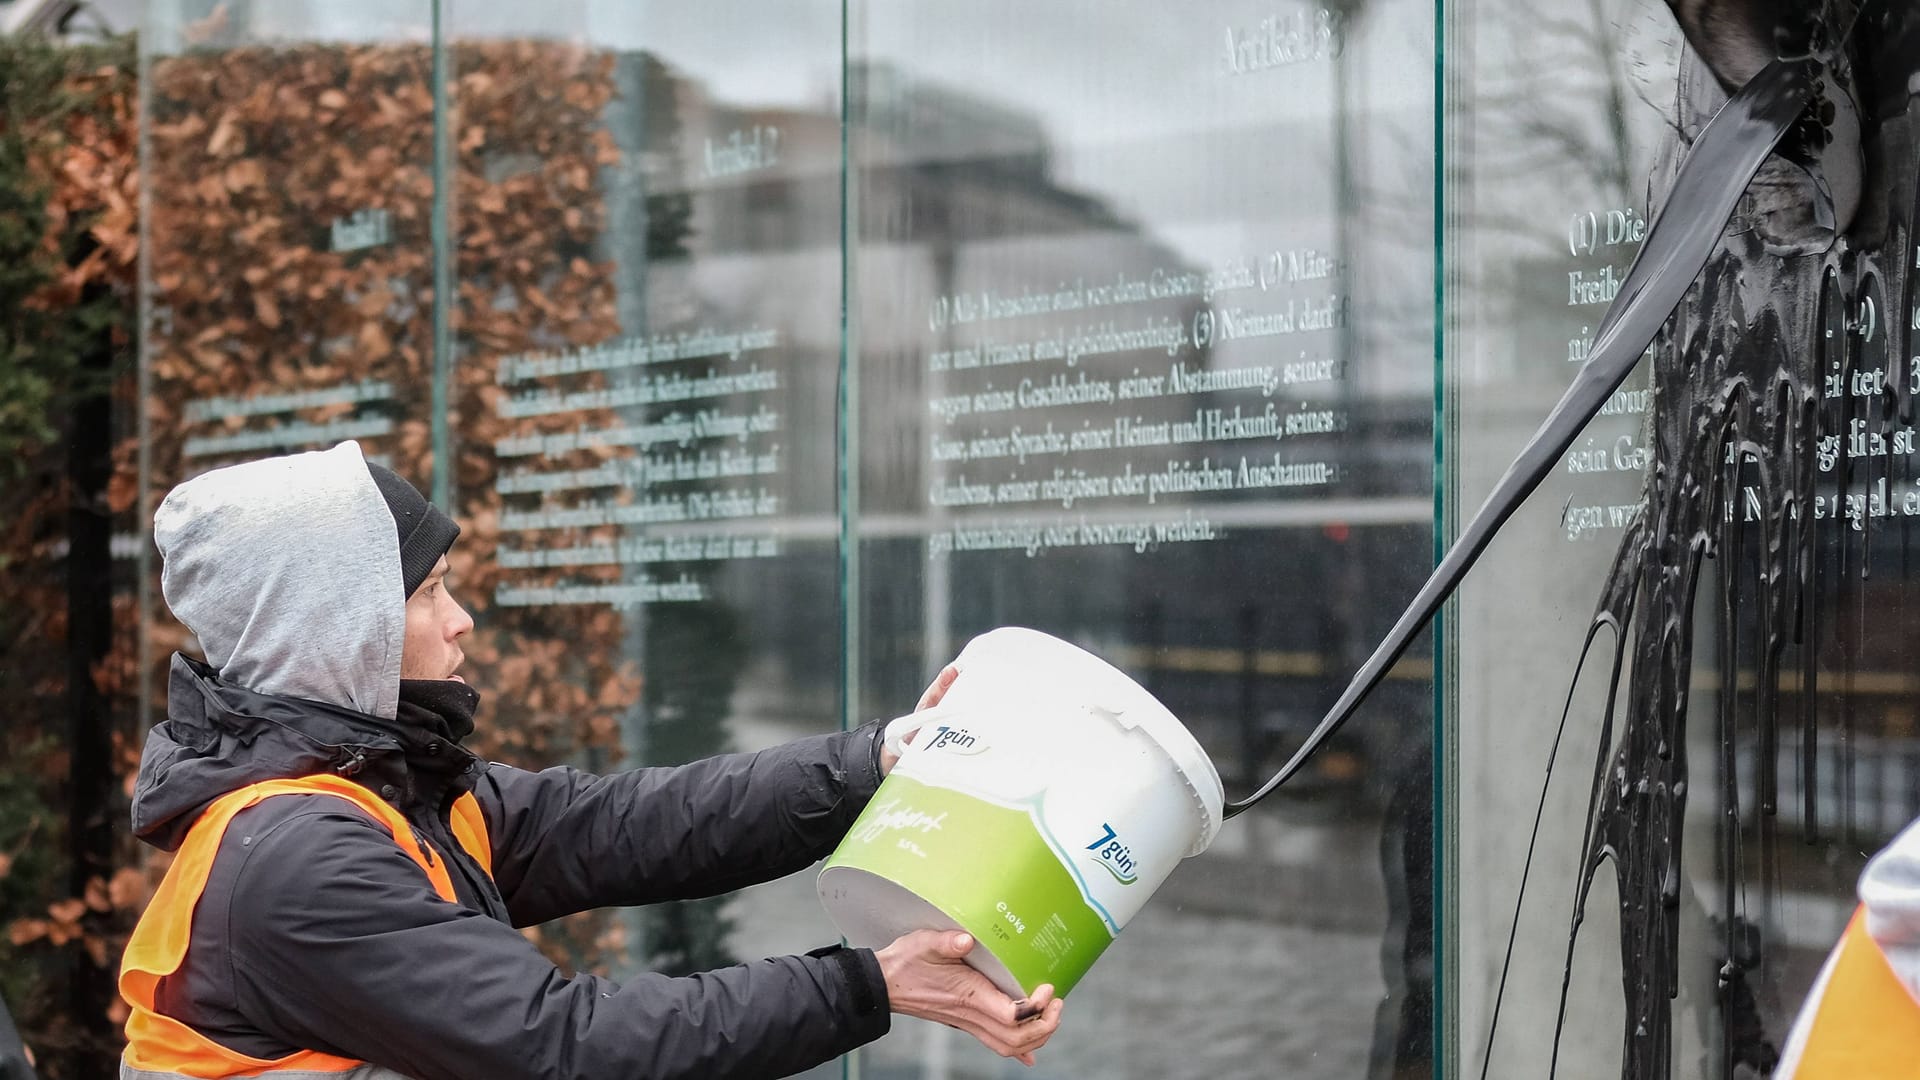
[1189, 991]
[1259, 959]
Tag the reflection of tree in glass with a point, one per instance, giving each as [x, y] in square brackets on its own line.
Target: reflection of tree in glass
[258, 298]
[1550, 104]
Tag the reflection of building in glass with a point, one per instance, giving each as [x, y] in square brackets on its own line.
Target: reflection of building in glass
[1247, 635]
[956, 200]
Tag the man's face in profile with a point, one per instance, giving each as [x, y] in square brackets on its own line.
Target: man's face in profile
[435, 625]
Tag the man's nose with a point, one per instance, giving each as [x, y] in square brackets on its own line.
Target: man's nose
[462, 623]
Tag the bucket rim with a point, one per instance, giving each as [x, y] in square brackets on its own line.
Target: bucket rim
[1188, 757]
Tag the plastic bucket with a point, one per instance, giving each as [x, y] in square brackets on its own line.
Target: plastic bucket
[1038, 808]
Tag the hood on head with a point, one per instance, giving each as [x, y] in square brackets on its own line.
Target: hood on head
[287, 570]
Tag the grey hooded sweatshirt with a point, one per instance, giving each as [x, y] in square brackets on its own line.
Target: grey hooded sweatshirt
[316, 932]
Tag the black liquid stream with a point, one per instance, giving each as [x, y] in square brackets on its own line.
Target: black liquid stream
[1722, 162]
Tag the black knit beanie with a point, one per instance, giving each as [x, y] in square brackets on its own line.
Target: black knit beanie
[425, 532]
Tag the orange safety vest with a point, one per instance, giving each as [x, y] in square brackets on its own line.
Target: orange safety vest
[161, 1047]
[1864, 1023]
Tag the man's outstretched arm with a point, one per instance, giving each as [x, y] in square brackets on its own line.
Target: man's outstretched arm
[566, 841]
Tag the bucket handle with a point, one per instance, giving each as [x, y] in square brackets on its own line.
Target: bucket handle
[901, 728]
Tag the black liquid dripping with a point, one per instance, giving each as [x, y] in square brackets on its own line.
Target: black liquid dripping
[1717, 171]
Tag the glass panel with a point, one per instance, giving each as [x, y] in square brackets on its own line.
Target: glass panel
[1736, 519]
[1543, 220]
[1144, 340]
[647, 221]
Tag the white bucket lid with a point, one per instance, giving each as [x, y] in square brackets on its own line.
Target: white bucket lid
[1099, 684]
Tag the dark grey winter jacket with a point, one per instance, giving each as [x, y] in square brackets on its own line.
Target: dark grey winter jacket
[316, 931]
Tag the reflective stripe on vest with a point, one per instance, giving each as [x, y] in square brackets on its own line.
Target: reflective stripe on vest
[162, 1048]
[1865, 1023]
[362, 1072]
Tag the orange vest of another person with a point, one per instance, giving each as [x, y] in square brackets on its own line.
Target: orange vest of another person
[160, 1047]
[1862, 1023]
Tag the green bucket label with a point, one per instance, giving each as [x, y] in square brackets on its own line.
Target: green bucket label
[994, 869]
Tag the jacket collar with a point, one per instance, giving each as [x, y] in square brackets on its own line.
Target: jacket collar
[219, 737]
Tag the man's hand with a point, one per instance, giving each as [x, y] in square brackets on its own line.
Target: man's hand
[934, 692]
[927, 978]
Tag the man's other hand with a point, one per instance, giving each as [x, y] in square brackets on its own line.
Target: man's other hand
[928, 977]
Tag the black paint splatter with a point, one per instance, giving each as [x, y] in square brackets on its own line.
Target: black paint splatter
[1791, 307]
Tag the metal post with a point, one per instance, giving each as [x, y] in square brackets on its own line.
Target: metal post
[443, 299]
